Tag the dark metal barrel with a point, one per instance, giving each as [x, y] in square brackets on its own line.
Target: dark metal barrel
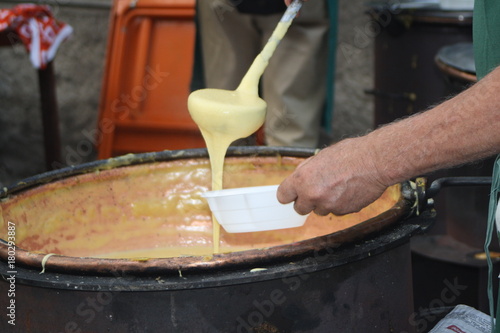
[355, 280]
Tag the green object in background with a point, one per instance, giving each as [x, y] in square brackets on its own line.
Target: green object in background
[486, 36]
[332, 57]
[490, 235]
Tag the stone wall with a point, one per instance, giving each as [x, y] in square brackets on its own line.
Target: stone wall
[79, 67]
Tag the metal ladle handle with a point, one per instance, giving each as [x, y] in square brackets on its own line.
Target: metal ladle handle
[292, 10]
[249, 83]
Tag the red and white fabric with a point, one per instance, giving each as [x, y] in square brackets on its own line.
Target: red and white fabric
[37, 28]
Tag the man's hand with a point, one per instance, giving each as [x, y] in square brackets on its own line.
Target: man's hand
[338, 180]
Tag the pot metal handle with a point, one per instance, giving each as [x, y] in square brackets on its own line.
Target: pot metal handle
[425, 195]
[437, 184]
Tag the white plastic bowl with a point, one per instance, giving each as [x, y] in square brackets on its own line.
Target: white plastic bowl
[249, 209]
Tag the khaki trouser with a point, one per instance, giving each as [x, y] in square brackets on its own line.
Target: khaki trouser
[294, 83]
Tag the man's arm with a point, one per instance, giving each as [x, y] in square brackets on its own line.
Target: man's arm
[353, 173]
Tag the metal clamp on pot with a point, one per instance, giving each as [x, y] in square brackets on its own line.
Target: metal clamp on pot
[425, 195]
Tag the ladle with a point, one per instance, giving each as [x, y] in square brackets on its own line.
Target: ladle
[230, 115]
[224, 116]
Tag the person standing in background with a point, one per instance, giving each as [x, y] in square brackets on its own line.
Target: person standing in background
[294, 85]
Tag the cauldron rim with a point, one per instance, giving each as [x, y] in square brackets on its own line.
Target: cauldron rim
[386, 240]
[154, 266]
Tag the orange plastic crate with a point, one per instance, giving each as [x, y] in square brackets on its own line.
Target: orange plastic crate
[147, 76]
